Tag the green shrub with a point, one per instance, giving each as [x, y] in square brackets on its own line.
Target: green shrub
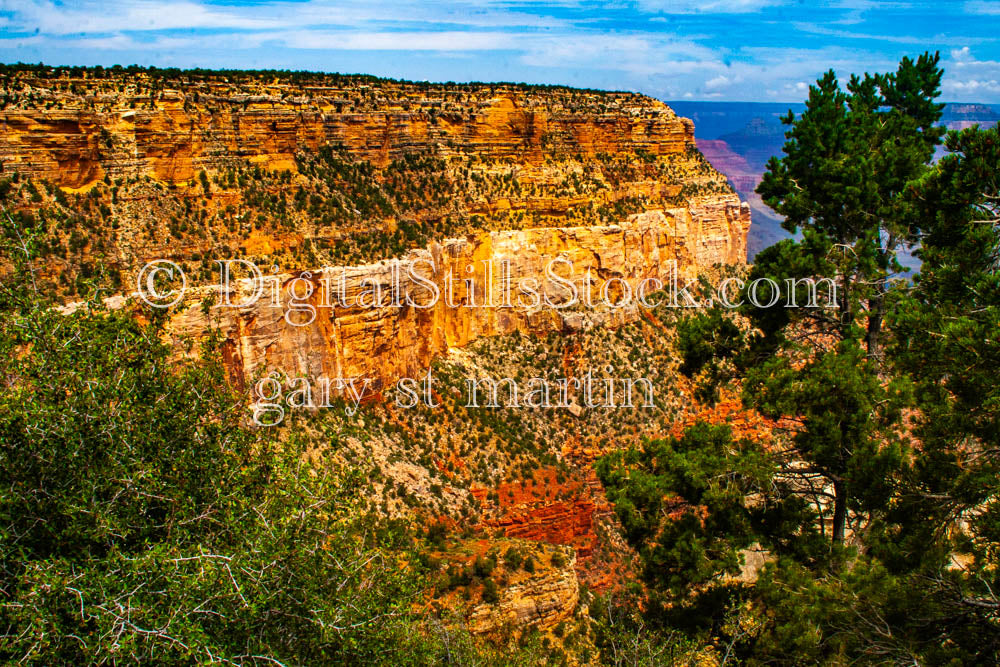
[513, 558]
[490, 593]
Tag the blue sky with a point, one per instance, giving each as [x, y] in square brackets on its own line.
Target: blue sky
[736, 50]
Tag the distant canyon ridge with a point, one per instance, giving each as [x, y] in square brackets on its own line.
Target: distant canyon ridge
[738, 138]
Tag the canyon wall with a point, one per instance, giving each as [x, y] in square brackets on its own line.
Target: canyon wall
[199, 167]
[75, 148]
[171, 133]
[340, 331]
[312, 174]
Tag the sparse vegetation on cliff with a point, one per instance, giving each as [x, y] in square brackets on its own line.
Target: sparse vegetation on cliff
[128, 180]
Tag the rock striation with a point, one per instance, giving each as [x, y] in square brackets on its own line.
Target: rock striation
[477, 281]
[274, 167]
[541, 599]
[74, 129]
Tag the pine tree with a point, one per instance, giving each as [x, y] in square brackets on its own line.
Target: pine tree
[843, 180]
[945, 337]
[848, 160]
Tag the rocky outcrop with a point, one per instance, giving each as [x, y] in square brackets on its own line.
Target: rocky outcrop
[544, 508]
[540, 599]
[608, 185]
[384, 343]
[173, 133]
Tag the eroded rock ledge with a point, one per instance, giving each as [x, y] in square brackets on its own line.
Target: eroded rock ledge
[385, 343]
[288, 168]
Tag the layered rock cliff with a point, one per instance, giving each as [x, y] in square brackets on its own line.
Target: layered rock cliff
[310, 171]
[540, 599]
[483, 286]
[328, 178]
[178, 132]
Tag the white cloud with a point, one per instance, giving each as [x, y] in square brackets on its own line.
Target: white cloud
[964, 58]
[637, 55]
[722, 81]
[982, 7]
[142, 15]
[717, 82]
[847, 34]
[969, 79]
[306, 40]
[90, 16]
[706, 6]
[972, 86]
[386, 40]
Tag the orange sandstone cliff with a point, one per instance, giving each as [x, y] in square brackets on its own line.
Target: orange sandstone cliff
[199, 166]
[392, 341]
[326, 175]
[76, 130]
